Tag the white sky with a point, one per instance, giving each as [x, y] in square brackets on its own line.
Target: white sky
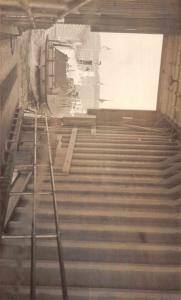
[129, 71]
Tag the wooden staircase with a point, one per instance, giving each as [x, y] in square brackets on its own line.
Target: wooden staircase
[118, 195]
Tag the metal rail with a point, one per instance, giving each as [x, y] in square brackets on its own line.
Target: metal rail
[28, 236]
[57, 227]
[33, 232]
[30, 193]
[33, 237]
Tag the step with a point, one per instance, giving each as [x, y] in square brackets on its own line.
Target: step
[96, 205]
[54, 293]
[110, 201]
[100, 216]
[94, 232]
[139, 253]
[98, 179]
[102, 188]
[25, 164]
[127, 180]
[104, 150]
[119, 137]
[132, 146]
[117, 164]
[94, 274]
[129, 132]
[123, 140]
[122, 137]
[119, 157]
[136, 126]
[115, 171]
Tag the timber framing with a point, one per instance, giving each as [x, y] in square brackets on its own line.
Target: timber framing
[161, 16]
[169, 93]
[7, 165]
[33, 14]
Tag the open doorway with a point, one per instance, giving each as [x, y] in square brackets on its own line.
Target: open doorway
[129, 70]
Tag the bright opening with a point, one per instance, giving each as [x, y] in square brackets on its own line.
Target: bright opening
[129, 70]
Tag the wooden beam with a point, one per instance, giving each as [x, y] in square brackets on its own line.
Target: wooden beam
[69, 154]
[73, 6]
[112, 23]
[93, 130]
[8, 30]
[58, 149]
[13, 201]
[34, 4]
[142, 128]
[20, 13]
[79, 120]
[30, 6]
[48, 5]
[27, 9]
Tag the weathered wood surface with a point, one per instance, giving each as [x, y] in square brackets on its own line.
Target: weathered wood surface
[8, 30]
[115, 23]
[19, 186]
[36, 14]
[70, 150]
[169, 94]
[93, 130]
[161, 16]
[79, 120]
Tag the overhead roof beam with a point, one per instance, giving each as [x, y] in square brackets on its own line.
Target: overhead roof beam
[32, 7]
[27, 9]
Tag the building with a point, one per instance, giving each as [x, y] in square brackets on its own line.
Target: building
[82, 48]
[88, 57]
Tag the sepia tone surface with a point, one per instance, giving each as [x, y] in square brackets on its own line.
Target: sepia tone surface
[89, 199]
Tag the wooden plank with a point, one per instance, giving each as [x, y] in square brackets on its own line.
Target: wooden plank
[122, 140]
[6, 86]
[151, 129]
[13, 201]
[134, 8]
[58, 149]
[79, 120]
[119, 157]
[69, 154]
[116, 171]
[25, 6]
[116, 164]
[8, 30]
[102, 179]
[122, 188]
[134, 145]
[125, 151]
[7, 163]
[93, 130]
